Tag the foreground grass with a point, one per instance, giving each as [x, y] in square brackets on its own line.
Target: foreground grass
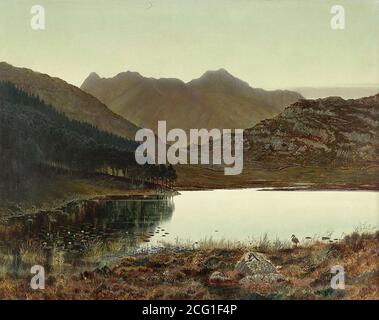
[185, 274]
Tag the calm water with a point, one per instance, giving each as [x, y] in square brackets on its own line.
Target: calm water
[90, 234]
[242, 214]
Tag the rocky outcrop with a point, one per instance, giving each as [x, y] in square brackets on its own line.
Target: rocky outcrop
[256, 267]
[330, 131]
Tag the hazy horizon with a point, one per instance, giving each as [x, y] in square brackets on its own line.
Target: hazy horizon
[269, 44]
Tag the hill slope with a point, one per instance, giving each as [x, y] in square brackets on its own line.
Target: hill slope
[215, 100]
[67, 98]
[330, 131]
[35, 135]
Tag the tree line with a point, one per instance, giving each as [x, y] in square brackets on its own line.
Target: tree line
[33, 133]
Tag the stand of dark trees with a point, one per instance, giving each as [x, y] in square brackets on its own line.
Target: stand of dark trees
[33, 133]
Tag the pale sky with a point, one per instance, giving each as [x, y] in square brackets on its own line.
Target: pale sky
[268, 43]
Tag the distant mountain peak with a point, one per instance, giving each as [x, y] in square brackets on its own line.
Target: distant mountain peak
[219, 74]
[219, 79]
[93, 75]
[128, 75]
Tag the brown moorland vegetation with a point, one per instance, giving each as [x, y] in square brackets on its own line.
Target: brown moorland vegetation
[186, 274]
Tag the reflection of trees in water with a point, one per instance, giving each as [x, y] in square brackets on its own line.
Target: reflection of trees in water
[138, 213]
[83, 232]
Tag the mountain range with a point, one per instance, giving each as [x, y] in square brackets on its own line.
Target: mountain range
[215, 100]
[280, 126]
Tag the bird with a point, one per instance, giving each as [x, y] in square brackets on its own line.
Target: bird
[295, 240]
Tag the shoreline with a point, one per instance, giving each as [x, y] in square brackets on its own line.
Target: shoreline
[143, 193]
[212, 272]
[55, 190]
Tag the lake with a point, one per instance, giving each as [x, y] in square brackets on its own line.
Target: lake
[92, 233]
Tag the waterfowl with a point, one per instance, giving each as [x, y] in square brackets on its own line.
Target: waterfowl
[295, 240]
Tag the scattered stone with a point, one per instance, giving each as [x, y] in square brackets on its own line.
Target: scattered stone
[218, 277]
[256, 267]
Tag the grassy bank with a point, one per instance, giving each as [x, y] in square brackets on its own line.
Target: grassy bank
[187, 274]
[255, 176]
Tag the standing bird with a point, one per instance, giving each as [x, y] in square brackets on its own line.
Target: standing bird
[295, 240]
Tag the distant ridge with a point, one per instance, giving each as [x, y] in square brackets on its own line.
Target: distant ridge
[215, 100]
[352, 92]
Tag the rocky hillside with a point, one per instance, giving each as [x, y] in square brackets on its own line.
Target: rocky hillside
[215, 100]
[66, 98]
[330, 131]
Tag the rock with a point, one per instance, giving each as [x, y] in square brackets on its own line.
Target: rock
[218, 277]
[257, 268]
[259, 278]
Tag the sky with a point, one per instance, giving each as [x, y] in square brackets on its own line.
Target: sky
[268, 43]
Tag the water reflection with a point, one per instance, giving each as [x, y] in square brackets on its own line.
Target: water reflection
[84, 234]
[89, 234]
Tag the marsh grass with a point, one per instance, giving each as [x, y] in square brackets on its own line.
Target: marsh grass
[173, 274]
[263, 244]
[9, 230]
[98, 248]
[31, 254]
[5, 262]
